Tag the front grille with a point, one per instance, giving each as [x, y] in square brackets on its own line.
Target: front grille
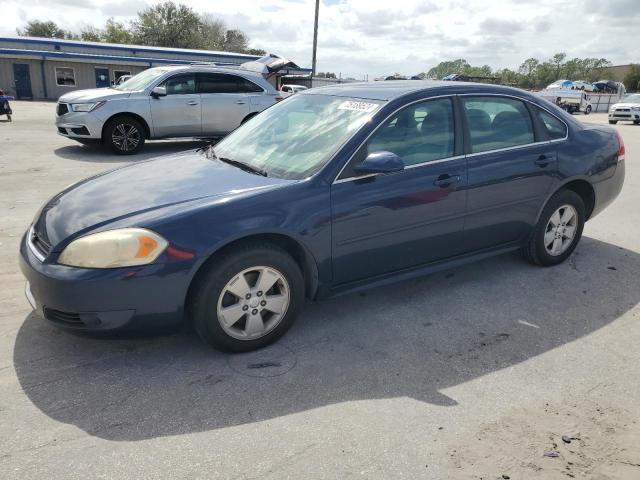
[66, 318]
[62, 109]
[39, 243]
[623, 109]
[622, 115]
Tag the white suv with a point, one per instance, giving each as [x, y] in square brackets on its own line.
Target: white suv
[165, 102]
[628, 109]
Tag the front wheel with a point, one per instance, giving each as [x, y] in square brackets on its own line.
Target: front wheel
[558, 230]
[247, 298]
[125, 135]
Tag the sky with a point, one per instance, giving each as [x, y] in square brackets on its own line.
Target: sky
[381, 37]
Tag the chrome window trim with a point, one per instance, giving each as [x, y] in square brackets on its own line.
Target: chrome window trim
[32, 247]
[337, 178]
[451, 95]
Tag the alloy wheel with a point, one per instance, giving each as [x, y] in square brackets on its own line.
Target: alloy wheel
[561, 230]
[253, 303]
[125, 137]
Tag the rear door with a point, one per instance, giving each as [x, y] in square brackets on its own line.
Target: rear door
[178, 114]
[225, 101]
[511, 169]
[386, 223]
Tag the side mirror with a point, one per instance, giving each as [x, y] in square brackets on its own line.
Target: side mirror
[159, 92]
[380, 162]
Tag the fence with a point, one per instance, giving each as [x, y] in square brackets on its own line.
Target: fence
[600, 102]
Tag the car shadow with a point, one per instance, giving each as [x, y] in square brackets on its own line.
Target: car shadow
[414, 339]
[99, 154]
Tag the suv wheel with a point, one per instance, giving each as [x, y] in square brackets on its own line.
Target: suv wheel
[247, 298]
[558, 230]
[125, 135]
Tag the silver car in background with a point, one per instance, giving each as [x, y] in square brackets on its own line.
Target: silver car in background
[165, 102]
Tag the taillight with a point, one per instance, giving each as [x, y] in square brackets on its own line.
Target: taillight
[279, 99]
[620, 147]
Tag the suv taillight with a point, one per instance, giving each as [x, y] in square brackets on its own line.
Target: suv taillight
[620, 147]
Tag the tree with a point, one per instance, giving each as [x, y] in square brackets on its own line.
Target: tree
[214, 32]
[91, 34]
[558, 62]
[236, 41]
[36, 28]
[116, 32]
[446, 68]
[168, 25]
[632, 79]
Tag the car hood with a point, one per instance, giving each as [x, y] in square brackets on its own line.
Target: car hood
[92, 95]
[625, 105]
[150, 185]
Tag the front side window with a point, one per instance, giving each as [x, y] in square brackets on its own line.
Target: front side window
[497, 122]
[294, 138]
[555, 128]
[420, 133]
[65, 77]
[181, 84]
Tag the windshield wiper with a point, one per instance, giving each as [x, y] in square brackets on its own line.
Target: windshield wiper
[210, 154]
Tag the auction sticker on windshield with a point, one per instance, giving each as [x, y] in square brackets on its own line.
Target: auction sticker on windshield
[358, 106]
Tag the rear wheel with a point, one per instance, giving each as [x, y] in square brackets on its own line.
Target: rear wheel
[587, 110]
[125, 135]
[558, 230]
[247, 298]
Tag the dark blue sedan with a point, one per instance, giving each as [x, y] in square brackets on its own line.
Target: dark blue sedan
[333, 190]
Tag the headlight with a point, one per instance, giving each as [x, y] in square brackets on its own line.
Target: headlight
[86, 107]
[124, 247]
[635, 109]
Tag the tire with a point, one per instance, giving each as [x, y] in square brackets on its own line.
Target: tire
[212, 295]
[612, 122]
[587, 110]
[535, 251]
[129, 130]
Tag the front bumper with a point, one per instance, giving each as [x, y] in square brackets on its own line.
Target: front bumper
[80, 125]
[105, 299]
[627, 114]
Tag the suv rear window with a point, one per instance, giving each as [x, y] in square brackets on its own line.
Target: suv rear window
[224, 83]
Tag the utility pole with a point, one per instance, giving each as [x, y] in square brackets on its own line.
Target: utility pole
[315, 40]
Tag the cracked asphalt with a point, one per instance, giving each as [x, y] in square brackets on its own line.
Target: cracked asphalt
[470, 373]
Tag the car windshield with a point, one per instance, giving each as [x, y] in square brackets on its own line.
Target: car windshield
[296, 137]
[632, 98]
[141, 80]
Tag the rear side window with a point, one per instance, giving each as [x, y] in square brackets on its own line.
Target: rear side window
[419, 133]
[223, 83]
[181, 84]
[496, 122]
[554, 127]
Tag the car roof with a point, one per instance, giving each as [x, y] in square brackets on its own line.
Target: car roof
[204, 67]
[390, 90]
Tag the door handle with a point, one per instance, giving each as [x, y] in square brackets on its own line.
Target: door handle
[544, 160]
[240, 102]
[446, 180]
[192, 102]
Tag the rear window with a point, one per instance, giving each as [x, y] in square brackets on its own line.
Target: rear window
[556, 130]
[497, 122]
[223, 83]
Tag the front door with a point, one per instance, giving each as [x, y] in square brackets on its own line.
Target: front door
[511, 166]
[178, 114]
[389, 222]
[102, 77]
[225, 101]
[22, 80]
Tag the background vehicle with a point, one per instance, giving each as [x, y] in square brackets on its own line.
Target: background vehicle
[122, 79]
[165, 102]
[572, 101]
[291, 89]
[627, 110]
[334, 190]
[5, 107]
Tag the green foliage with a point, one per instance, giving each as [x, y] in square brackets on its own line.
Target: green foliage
[163, 25]
[632, 79]
[532, 73]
